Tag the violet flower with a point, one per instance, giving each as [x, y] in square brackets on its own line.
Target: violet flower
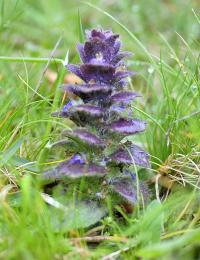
[101, 117]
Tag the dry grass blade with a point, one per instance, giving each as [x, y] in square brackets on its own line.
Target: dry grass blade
[182, 169]
[116, 254]
[99, 239]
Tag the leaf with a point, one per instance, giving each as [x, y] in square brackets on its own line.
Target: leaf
[76, 215]
[156, 250]
[8, 154]
[80, 28]
[53, 202]
[24, 163]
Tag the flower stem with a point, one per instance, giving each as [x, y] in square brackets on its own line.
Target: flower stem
[31, 59]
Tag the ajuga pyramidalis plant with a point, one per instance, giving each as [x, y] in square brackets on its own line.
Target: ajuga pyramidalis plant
[101, 109]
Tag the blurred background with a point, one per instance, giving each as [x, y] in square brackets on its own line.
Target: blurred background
[34, 26]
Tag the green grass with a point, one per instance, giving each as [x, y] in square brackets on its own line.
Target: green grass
[164, 37]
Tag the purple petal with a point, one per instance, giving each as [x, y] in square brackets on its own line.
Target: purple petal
[98, 73]
[118, 108]
[131, 174]
[124, 187]
[67, 106]
[117, 58]
[80, 48]
[130, 155]
[75, 169]
[76, 70]
[83, 115]
[89, 91]
[124, 96]
[122, 83]
[127, 127]
[142, 186]
[117, 47]
[90, 34]
[107, 33]
[97, 52]
[65, 111]
[98, 33]
[112, 39]
[101, 44]
[120, 74]
[77, 158]
[87, 137]
[90, 110]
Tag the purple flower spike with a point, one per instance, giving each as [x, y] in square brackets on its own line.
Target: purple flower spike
[127, 126]
[102, 107]
[130, 155]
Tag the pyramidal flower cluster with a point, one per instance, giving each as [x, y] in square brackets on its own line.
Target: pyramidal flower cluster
[101, 110]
